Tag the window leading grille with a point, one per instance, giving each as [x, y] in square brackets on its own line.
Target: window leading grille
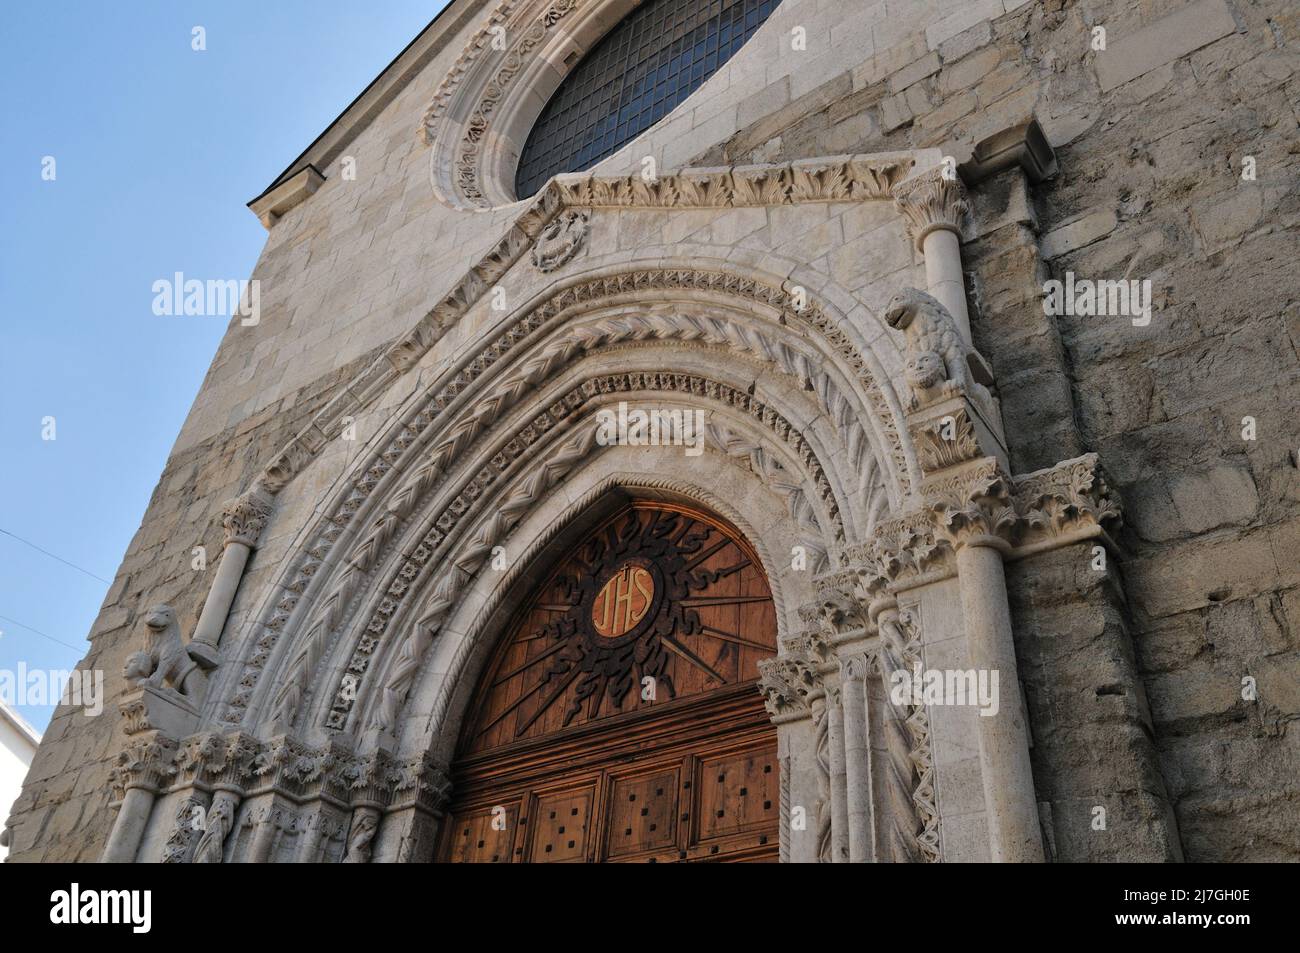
[633, 77]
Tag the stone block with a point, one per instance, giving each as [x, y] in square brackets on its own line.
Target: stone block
[914, 72]
[1225, 495]
[966, 15]
[1078, 232]
[1131, 55]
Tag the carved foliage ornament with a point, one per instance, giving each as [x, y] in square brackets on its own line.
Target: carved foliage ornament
[1067, 502]
[244, 517]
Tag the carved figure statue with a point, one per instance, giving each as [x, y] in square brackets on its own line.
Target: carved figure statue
[939, 361]
[164, 661]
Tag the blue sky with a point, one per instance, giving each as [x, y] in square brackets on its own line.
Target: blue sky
[157, 149]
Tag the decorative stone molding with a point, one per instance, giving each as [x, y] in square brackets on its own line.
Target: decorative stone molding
[289, 194]
[973, 506]
[475, 88]
[895, 458]
[506, 513]
[945, 441]
[561, 240]
[842, 615]
[932, 201]
[776, 475]
[1069, 500]
[1067, 503]
[222, 770]
[186, 828]
[847, 178]
[778, 680]
[475, 122]
[913, 832]
[1024, 145]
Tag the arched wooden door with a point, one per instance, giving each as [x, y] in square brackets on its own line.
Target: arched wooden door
[618, 719]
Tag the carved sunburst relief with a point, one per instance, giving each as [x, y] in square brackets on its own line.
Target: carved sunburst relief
[656, 604]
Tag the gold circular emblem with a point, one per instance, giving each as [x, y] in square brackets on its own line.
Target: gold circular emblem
[623, 601]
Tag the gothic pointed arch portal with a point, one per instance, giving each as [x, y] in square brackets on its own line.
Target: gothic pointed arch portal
[617, 718]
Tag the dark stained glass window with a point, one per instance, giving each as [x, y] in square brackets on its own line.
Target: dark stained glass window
[633, 77]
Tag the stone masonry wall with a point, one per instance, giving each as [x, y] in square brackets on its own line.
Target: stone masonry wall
[1150, 137]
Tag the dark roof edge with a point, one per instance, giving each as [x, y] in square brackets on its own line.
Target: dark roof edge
[385, 87]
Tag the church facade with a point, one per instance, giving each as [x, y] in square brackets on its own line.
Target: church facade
[738, 430]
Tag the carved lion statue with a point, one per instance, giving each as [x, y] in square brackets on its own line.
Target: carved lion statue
[939, 362]
[164, 661]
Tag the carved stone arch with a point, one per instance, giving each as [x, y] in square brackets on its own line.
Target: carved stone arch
[432, 717]
[541, 453]
[483, 109]
[481, 113]
[427, 415]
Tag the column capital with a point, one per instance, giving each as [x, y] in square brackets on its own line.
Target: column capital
[973, 506]
[779, 682]
[244, 517]
[146, 763]
[932, 201]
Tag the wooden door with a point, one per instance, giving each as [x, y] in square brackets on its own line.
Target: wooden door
[619, 719]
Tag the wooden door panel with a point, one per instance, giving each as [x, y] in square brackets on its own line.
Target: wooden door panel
[483, 835]
[738, 792]
[641, 813]
[559, 824]
[620, 709]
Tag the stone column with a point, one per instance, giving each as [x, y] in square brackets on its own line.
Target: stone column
[787, 705]
[1010, 804]
[857, 757]
[243, 519]
[935, 207]
[142, 770]
[975, 514]
[839, 776]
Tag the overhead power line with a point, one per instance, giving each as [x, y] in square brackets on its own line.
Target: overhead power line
[27, 542]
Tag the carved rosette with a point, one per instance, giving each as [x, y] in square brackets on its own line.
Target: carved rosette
[931, 201]
[561, 240]
[244, 517]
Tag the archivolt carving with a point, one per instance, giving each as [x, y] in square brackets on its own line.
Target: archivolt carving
[775, 475]
[809, 369]
[508, 511]
[337, 601]
[457, 667]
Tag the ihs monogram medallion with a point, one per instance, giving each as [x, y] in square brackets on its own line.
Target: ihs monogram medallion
[623, 601]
